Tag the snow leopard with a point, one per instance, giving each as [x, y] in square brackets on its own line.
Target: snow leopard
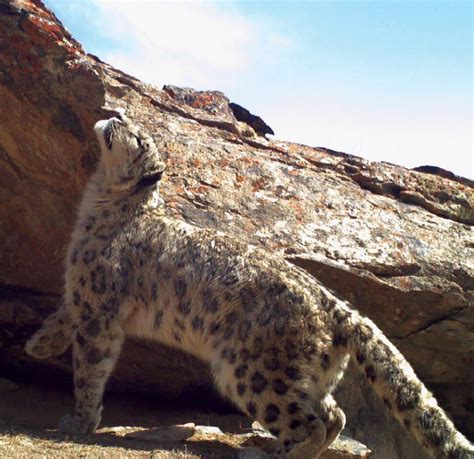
[276, 339]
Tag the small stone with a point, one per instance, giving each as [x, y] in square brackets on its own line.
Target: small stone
[8, 386]
[346, 448]
[257, 437]
[170, 433]
[257, 426]
[209, 430]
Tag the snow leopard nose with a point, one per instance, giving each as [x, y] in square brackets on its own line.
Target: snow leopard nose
[120, 116]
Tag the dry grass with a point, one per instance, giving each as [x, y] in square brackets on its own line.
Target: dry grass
[32, 444]
[25, 446]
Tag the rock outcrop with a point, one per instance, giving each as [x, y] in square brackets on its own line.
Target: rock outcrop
[396, 243]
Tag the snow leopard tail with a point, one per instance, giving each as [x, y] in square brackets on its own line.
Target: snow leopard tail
[54, 336]
[398, 386]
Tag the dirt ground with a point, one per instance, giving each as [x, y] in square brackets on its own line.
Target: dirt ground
[29, 414]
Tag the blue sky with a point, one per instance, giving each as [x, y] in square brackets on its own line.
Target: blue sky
[386, 80]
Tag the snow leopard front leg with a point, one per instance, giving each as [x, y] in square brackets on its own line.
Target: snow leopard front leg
[97, 340]
[93, 363]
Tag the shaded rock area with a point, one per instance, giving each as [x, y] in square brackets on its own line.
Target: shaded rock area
[435, 170]
[396, 243]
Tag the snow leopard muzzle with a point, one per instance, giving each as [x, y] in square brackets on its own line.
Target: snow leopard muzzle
[107, 129]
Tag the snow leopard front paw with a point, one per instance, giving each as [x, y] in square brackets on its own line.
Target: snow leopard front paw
[78, 425]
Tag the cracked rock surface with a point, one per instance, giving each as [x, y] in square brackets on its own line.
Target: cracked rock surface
[397, 243]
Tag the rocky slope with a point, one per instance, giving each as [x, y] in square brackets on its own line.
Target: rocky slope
[396, 243]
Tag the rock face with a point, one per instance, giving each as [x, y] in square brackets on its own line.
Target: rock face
[242, 114]
[396, 243]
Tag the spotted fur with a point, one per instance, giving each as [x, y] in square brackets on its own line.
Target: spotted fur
[276, 339]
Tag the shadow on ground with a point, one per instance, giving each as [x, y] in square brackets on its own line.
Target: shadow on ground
[29, 414]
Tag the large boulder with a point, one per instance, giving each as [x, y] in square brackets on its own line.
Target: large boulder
[396, 243]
